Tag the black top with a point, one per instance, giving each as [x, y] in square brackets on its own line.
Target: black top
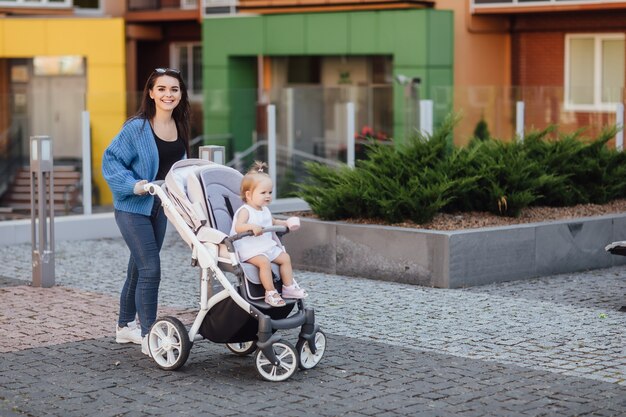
[169, 152]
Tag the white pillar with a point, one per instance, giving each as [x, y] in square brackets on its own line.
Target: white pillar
[271, 144]
[619, 122]
[519, 121]
[350, 134]
[86, 138]
[426, 117]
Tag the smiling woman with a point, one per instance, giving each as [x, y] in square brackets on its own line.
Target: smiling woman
[144, 151]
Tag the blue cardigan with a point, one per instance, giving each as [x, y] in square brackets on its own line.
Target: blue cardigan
[132, 156]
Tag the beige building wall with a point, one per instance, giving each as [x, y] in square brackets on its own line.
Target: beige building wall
[482, 72]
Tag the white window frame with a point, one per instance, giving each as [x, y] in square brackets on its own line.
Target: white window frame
[597, 105]
[174, 47]
[547, 3]
[65, 4]
[188, 4]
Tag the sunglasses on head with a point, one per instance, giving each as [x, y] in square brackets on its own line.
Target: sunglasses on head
[164, 70]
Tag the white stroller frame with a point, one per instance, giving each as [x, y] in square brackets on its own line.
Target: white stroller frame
[169, 342]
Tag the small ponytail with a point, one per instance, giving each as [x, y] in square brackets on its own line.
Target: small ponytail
[258, 167]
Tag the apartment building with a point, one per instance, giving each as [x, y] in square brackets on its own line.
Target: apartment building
[565, 59]
[59, 58]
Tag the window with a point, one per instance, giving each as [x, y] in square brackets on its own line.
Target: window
[87, 4]
[303, 70]
[36, 3]
[594, 71]
[187, 57]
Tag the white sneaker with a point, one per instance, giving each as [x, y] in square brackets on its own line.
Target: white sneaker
[131, 333]
[144, 346]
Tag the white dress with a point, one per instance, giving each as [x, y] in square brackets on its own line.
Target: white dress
[251, 246]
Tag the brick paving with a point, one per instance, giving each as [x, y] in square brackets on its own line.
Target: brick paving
[551, 346]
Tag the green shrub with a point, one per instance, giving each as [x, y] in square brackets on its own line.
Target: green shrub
[426, 175]
[481, 131]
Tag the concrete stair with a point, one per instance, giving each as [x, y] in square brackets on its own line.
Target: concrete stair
[15, 203]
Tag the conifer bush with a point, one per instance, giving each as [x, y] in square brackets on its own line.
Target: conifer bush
[426, 175]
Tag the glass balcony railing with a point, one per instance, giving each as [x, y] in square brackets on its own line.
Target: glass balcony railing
[478, 5]
[145, 5]
[46, 4]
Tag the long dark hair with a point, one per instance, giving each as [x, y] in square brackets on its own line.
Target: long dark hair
[182, 112]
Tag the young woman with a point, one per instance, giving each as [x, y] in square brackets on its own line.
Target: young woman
[144, 150]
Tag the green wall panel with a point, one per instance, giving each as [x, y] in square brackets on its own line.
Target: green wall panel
[410, 38]
[284, 34]
[215, 78]
[214, 49]
[214, 125]
[440, 38]
[243, 99]
[233, 36]
[326, 33]
[364, 33]
[387, 31]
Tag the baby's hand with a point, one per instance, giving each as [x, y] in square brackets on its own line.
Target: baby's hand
[293, 223]
[258, 230]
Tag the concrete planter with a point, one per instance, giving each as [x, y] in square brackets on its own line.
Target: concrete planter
[456, 259]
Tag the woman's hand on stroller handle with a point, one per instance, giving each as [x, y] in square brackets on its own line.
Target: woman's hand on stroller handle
[149, 186]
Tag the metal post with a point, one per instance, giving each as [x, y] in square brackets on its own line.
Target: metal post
[42, 211]
[619, 122]
[426, 119]
[86, 134]
[350, 134]
[271, 144]
[415, 88]
[519, 121]
[213, 153]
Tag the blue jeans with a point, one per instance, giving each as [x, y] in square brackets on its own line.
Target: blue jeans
[144, 237]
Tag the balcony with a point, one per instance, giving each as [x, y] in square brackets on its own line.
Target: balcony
[36, 7]
[533, 6]
[300, 6]
[161, 10]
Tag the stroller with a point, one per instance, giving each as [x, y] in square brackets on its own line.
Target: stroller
[200, 198]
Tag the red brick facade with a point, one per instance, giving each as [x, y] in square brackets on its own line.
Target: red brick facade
[538, 60]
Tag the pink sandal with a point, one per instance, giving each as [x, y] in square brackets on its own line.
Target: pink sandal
[274, 299]
[294, 291]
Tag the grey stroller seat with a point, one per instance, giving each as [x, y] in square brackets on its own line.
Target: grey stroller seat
[220, 186]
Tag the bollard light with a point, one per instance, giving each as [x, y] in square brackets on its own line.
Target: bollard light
[213, 153]
[42, 211]
[40, 153]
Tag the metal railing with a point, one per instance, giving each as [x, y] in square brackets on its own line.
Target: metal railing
[486, 4]
[11, 158]
[139, 5]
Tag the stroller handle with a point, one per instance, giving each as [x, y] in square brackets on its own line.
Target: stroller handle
[272, 229]
[149, 187]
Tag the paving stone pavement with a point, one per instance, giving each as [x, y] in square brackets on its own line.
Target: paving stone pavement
[551, 346]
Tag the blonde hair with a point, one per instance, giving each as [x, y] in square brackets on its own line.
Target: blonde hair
[255, 174]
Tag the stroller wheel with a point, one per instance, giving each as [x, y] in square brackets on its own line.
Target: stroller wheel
[169, 343]
[308, 359]
[288, 357]
[242, 348]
